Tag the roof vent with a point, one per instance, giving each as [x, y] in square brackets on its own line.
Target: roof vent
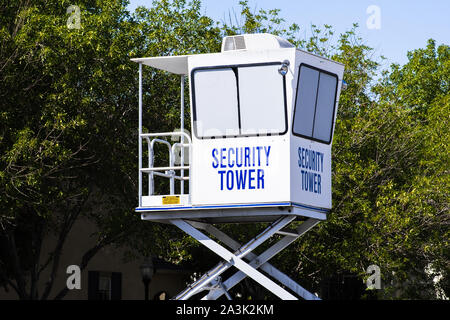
[233, 43]
[256, 41]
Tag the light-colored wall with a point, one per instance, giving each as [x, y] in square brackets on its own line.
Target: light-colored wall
[109, 259]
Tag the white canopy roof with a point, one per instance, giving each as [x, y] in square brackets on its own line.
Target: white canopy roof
[246, 42]
[173, 64]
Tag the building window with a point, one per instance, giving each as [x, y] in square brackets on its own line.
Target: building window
[315, 104]
[240, 100]
[104, 285]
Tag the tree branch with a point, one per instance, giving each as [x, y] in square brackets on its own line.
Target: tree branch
[56, 255]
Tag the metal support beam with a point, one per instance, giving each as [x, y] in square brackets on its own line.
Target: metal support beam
[182, 130]
[261, 261]
[234, 259]
[140, 138]
[288, 232]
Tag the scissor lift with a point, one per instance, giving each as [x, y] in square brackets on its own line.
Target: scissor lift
[274, 105]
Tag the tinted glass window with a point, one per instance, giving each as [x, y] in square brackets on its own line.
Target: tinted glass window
[239, 101]
[261, 100]
[315, 101]
[216, 104]
[324, 107]
[306, 101]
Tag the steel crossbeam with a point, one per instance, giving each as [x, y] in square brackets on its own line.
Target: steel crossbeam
[234, 259]
[261, 262]
[211, 280]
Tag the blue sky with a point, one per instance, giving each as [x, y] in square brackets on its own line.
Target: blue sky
[403, 25]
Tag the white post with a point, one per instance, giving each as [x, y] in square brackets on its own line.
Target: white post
[140, 138]
[182, 130]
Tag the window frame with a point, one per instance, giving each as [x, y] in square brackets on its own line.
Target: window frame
[234, 67]
[315, 105]
[115, 285]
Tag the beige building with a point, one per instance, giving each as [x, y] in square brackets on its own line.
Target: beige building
[107, 276]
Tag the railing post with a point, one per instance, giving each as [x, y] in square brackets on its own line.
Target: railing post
[171, 171]
[140, 138]
[182, 130]
[150, 165]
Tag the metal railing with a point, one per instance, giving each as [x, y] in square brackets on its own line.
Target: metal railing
[166, 171]
[169, 171]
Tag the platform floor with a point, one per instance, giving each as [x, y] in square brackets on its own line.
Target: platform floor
[231, 213]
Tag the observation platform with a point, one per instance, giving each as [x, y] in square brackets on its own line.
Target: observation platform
[239, 213]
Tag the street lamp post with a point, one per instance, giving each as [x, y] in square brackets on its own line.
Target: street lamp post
[147, 271]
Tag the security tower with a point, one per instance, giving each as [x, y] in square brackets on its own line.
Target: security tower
[262, 118]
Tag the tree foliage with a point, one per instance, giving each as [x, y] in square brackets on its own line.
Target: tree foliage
[68, 123]
[68, 135]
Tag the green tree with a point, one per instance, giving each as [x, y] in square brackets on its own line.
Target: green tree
[68, 134]
[390, 171]
[59, 95]
[390, 166]
[68, 123]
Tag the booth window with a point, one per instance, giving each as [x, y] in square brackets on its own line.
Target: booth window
[216, 102]
[243, 100]
[315, 104]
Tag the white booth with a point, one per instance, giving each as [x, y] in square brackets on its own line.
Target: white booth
[262, 118]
